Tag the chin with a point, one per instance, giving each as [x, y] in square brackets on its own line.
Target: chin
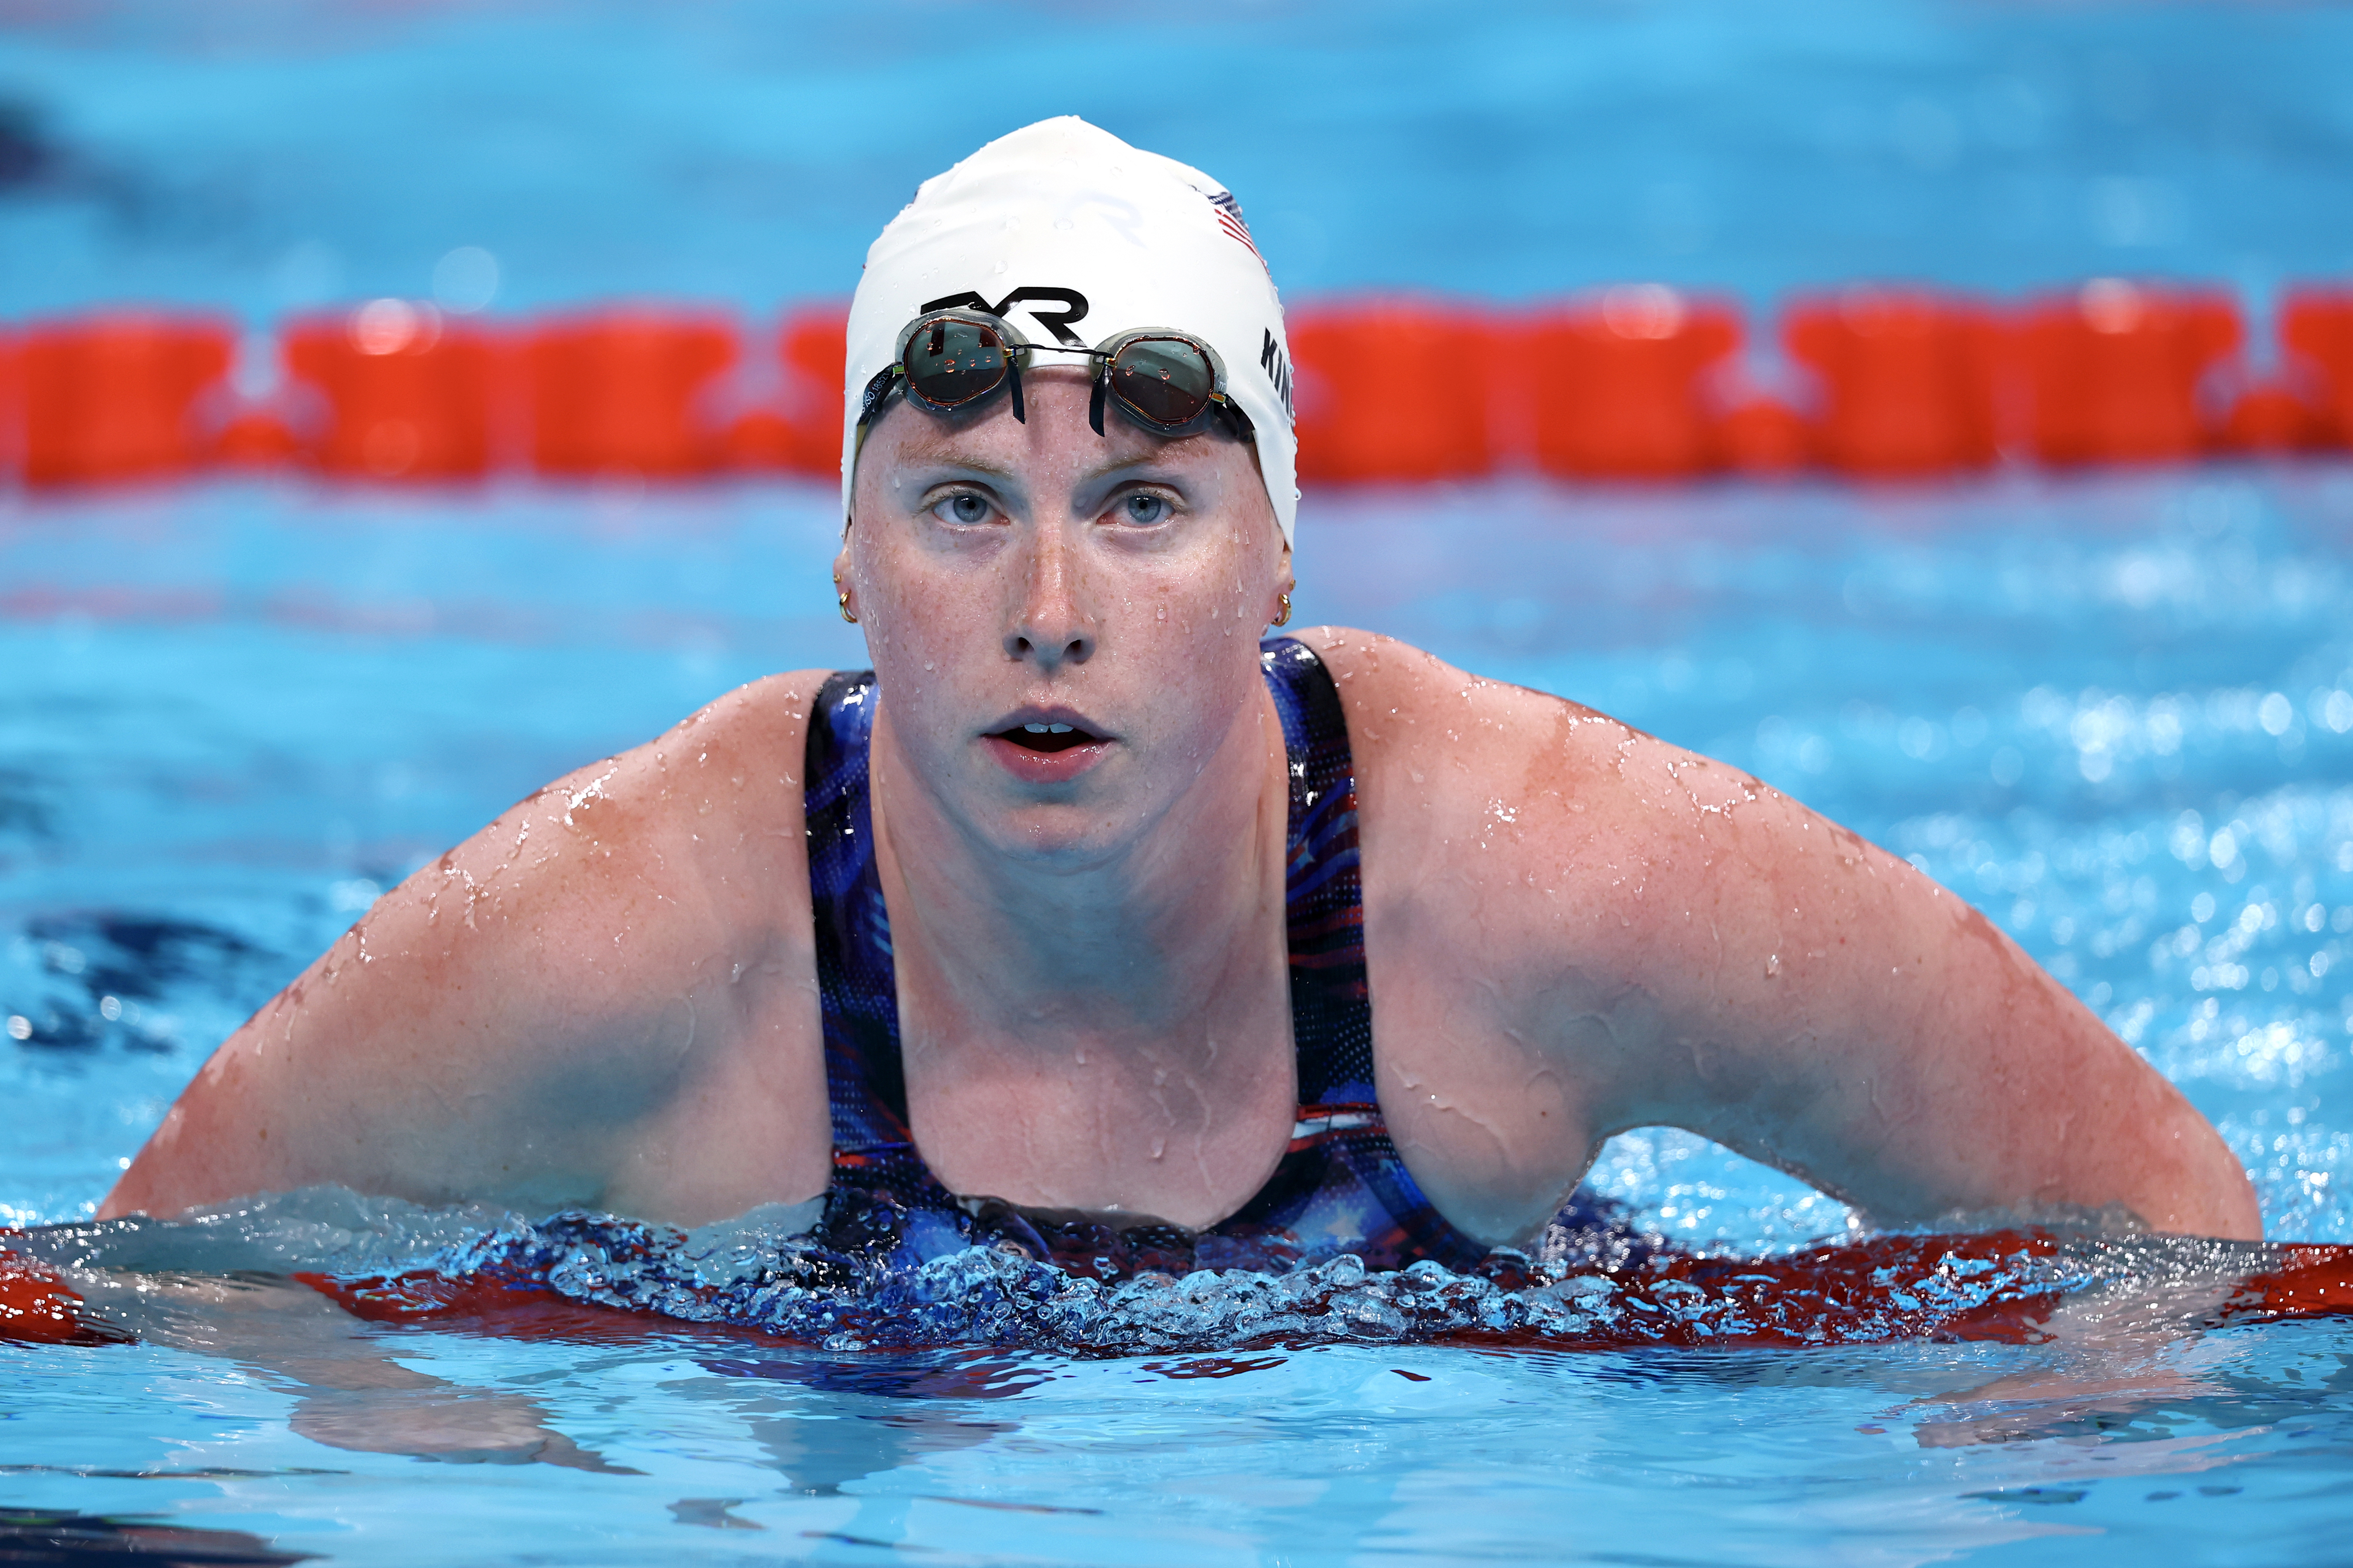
[1050, 835]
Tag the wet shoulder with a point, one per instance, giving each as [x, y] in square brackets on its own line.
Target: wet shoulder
[690, 840]
[716, 801]
[1479, 796]
[1446, 747]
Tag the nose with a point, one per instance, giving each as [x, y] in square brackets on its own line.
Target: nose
[1050, 628]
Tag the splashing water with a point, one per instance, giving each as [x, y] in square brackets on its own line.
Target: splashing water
[876, 1276]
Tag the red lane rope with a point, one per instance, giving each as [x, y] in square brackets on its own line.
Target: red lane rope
[1981, 1288]
[486, 1304]
[1636, 382]
[36, 1308]
[1886, 1289]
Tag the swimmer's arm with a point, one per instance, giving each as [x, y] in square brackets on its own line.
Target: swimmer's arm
[1663, 941]
[1810, 1001]
[598, 1000]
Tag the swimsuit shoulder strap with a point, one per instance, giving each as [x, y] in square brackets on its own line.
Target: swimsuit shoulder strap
[866, 1090]
[1343, 1175]
[1331, 1001]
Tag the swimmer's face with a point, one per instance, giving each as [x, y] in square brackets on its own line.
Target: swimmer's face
[1012, 574]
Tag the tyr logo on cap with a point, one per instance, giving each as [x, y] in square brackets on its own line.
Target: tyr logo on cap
[1058, 323]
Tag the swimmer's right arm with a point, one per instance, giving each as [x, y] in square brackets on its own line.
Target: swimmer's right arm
[602, 999]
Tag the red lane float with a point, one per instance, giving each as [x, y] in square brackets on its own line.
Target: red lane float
[408, 393]
[801, 431]
[1764, 437]
[115, 396]
[1908, 377]
[37, 1307]
[254, 438]
[488, 1305]
[1636, 380]
[11, 400]
[1889, 1288]
[815, 345]
[625, 390]
[2316, 331]
[760, 438]
[2276, 417]
[2113, 372]
[1617, 383]
[2310, 1281]
[1390, 390]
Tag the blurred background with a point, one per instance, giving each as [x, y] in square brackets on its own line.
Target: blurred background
[617, 239]
[403, 404]
[270, 156]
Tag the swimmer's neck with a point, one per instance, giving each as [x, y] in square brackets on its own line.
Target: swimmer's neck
[1173, 925]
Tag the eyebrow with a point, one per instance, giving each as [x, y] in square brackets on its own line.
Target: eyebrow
[946, 454]
[1105, 470]
[954, 462]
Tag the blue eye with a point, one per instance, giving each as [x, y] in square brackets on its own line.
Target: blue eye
[1145, 509]
[962, 507]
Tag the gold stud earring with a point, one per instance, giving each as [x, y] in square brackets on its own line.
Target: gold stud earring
[1282, 606]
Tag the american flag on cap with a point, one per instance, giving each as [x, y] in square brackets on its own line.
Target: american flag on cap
[1229, 218]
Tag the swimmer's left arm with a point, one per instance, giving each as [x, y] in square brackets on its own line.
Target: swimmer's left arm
[1664, 940]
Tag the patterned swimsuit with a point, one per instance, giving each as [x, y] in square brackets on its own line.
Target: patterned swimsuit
[1341, 1185]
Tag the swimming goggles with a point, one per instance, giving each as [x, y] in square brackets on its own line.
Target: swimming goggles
[1170, 383]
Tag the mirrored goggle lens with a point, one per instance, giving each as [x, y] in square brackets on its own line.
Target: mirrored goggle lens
[950, 362]
[1165, 381]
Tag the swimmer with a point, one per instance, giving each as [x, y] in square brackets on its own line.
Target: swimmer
[1088, 898]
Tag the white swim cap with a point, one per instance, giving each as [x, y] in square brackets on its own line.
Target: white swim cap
[1074, 236]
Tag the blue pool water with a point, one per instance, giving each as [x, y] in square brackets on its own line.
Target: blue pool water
[2115, 712]
[289, 153]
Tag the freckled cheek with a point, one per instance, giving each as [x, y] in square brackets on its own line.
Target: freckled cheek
[917, 618]
[1196, 707]
[1200, 604]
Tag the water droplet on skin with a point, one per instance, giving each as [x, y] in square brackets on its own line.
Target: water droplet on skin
[1772, 966]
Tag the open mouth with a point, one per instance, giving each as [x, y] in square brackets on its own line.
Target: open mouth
[1046, 737]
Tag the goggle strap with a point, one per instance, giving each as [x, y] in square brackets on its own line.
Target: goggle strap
[878, 392]
[1013, 375]
[1095, 397]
